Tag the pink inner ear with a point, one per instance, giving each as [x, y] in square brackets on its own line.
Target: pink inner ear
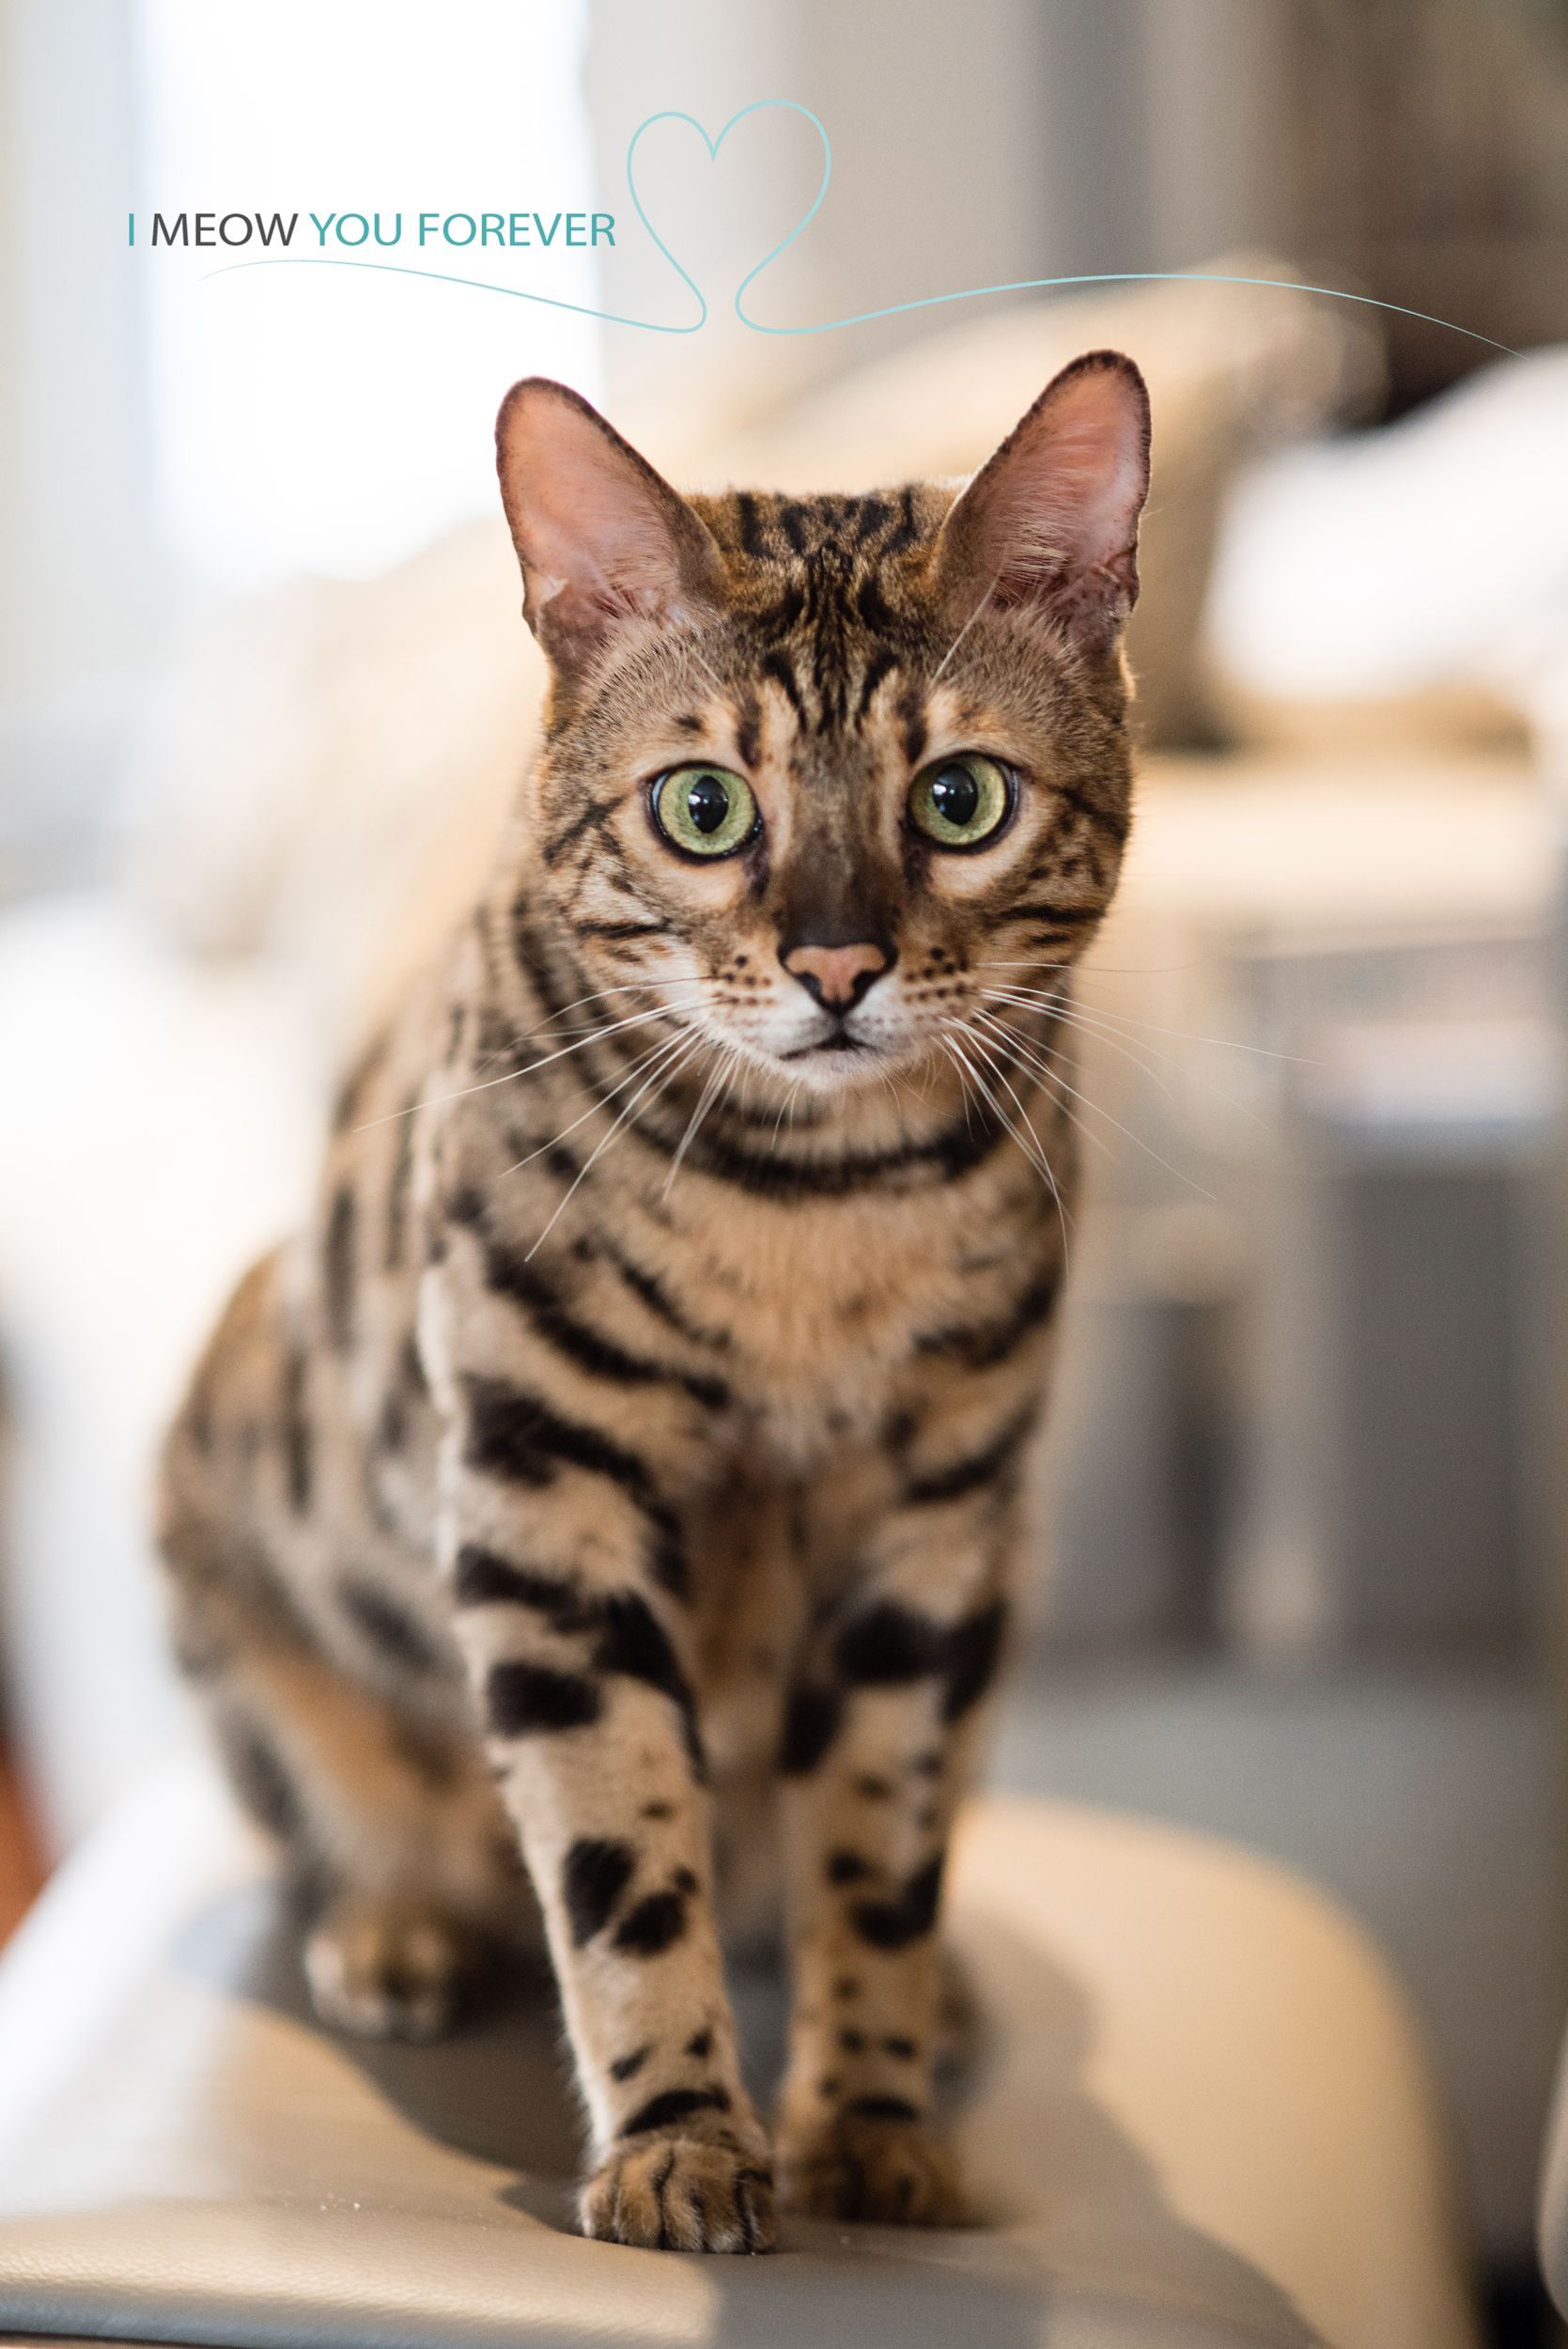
[1062, 497]
[599, 534]
[590, 527]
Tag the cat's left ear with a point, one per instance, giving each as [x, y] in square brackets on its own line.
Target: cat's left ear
[1051, 522]
[603, 539]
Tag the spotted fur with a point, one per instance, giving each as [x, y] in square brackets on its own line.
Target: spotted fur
[641, 1509]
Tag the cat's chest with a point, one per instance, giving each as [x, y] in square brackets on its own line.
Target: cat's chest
[822, 1319]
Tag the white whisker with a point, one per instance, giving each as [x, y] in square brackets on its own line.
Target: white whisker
[1093, 1024]
[1067, 1012]
[964, 631]
[1145, 1147]
[1021, 1054]
[1028, 1140]
[645, 1060]
[438, 1100]
[1052, 998]
[704, 1102]
[660, 1077]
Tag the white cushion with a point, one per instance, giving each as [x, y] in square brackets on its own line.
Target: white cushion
[1200, 2119]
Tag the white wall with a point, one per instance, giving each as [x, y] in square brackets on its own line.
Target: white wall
[78, 582]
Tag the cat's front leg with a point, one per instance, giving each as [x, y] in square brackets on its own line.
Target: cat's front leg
[876, 1757]
[561, 1537]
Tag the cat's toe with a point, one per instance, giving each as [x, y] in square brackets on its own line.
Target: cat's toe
[682, 2194]
[386, 1969]
[883, 2171]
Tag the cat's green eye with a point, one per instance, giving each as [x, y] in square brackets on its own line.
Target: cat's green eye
[704, 811]
[960, 802]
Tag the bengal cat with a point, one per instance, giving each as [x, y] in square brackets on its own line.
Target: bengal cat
[623, 1472]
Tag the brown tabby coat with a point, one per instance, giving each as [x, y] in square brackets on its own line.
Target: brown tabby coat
[600, 1502]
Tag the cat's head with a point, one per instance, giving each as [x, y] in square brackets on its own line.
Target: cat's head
[817, 770]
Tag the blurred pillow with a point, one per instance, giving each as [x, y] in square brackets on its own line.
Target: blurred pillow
[325, 770]
[1408, 586]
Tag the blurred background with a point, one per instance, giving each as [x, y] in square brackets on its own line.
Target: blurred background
[263, 691]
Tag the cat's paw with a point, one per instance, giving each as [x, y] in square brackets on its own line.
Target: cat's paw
[386, 1969]
[682, 2194]
[892, 2173]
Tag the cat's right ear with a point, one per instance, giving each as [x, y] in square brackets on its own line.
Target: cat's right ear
[603, 539]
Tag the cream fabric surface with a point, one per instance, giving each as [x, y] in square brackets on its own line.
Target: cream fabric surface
[1197, 2117]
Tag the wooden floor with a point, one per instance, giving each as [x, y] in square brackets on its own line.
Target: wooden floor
[20, 1874]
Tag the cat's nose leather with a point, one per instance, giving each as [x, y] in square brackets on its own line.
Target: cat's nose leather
[837, 976]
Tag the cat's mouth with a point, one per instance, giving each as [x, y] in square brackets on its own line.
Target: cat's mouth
[839, 1041]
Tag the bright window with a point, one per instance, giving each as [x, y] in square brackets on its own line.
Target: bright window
[326, 418]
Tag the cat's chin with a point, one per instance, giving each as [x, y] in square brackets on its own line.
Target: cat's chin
[843, 1068]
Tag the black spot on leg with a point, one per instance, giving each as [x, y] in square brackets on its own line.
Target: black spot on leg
[658, 1811]
[597, 1871]
[852, 2042]
[846, 1987]
[700, 2044]
[675, 2104]
[847, 1867]
[888, 1645]
[899, 2047]
[635, 1644]
[974, 1653]
[883, 2108]
[653, 1924]
[625, 2067]
[530, 1699]
[894, 1924]
[811, 1724]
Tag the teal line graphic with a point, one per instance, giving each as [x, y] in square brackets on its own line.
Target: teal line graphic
[477, 284]
[859, 318]
[758, 105]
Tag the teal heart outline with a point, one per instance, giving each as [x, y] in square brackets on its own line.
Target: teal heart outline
[758, 105]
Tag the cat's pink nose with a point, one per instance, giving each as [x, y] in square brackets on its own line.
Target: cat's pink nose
[837, 976]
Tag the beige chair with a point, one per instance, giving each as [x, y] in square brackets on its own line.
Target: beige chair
[1198, 2117]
